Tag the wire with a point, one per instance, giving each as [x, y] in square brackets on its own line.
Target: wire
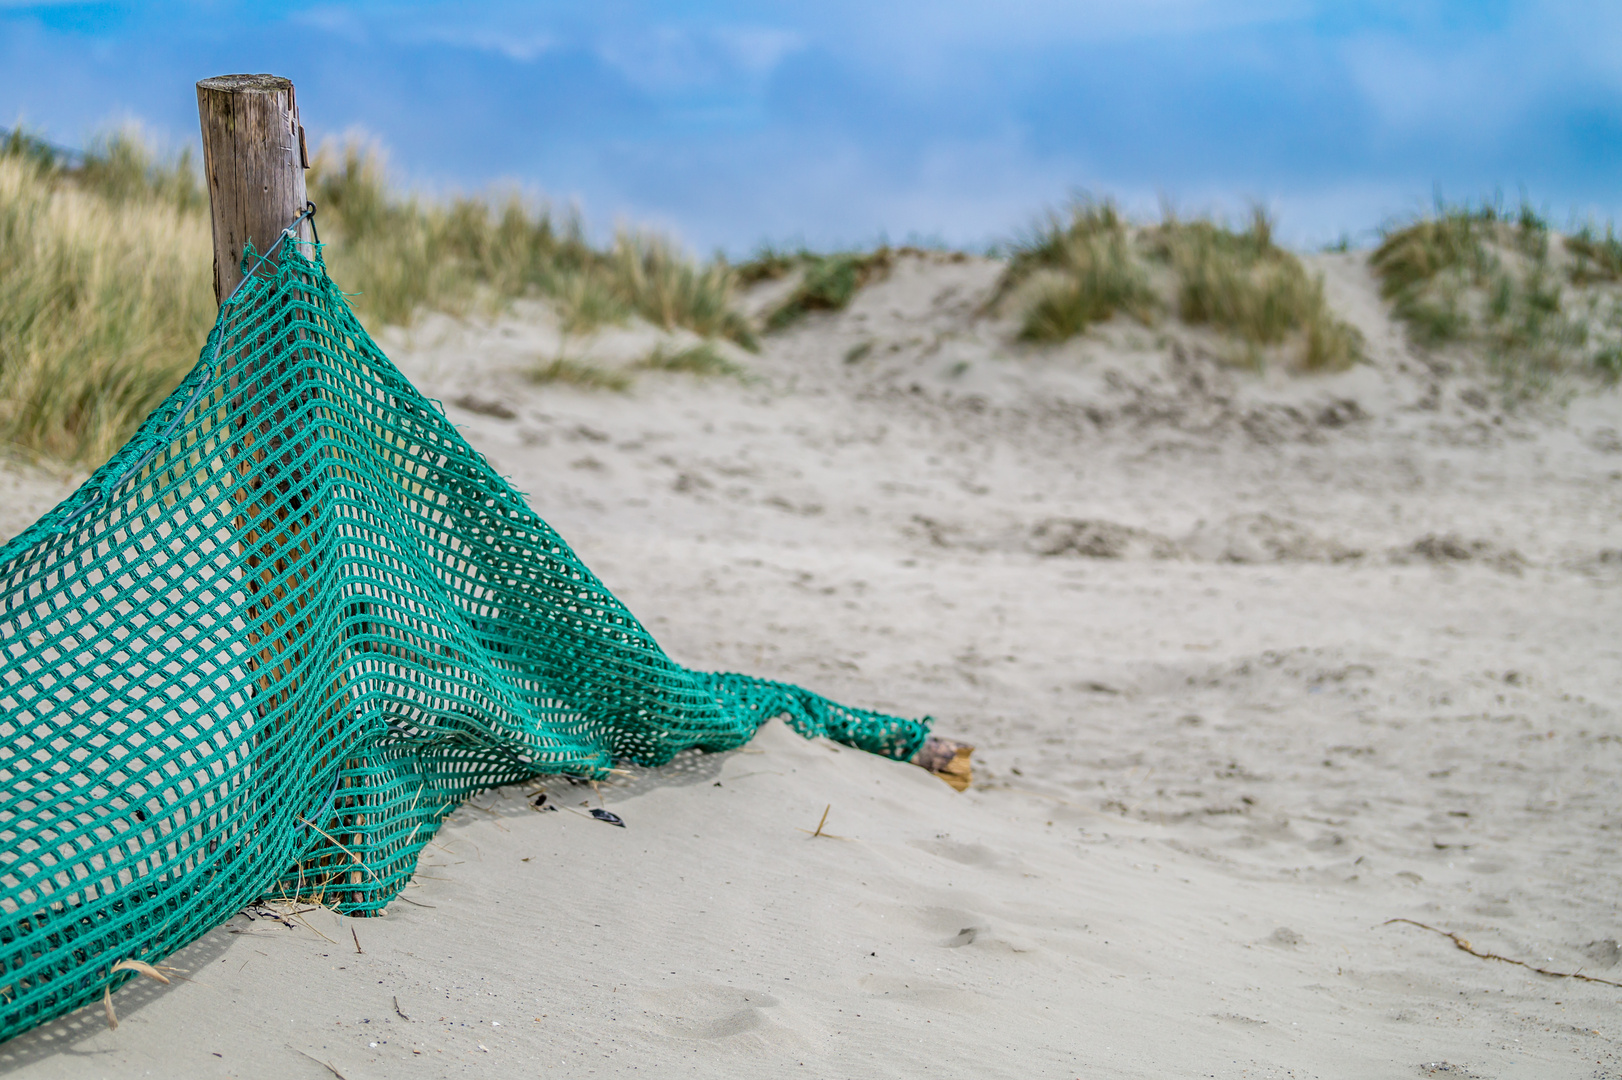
[307, 215]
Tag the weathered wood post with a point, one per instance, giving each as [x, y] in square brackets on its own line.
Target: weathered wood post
[254, 157]
[253, 164]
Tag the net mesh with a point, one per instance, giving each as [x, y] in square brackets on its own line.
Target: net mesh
[270, 645]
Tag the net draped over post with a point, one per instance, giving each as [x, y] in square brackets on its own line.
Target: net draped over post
[280, 636]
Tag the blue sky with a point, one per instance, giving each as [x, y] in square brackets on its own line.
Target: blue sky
[845, 120]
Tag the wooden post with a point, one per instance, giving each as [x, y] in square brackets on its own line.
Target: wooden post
[254, 157]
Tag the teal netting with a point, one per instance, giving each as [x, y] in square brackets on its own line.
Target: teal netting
[280, 636]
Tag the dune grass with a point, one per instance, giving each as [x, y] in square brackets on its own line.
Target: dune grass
[827, 282]
[702, 359]
[570, 372]
[670, 290]
[1481, 277]
[769, 263]
[1241, 282]
[105, 287]
[1085, 270]
[400, 255]
[106, 292]
[1594, 258]
[1090, 264]
[1426, 267]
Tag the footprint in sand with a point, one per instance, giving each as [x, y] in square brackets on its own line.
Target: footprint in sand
[711, 1012]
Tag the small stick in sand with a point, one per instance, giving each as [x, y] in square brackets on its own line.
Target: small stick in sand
[1464, 945]
[356, 936]
[312, 929]
[820, 824]
[329, 1066]
[397, 1010]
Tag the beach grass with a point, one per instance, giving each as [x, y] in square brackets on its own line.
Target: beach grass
[580, 373]
[1594, 258]
[1242, 283]
[827, 283]
[1085, 272]
[702, 359]
[1089, 264]
[670, 290]
[106, 293]
[1449, 245]
[106, 297]
[400, 254]
[769, 263]
[1483, 278]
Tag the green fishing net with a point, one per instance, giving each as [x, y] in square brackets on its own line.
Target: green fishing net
[276, 640]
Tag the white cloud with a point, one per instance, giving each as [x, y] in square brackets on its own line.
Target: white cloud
[1414, 90]
[333, 21]
[513, 38]
[678, 58]
[758, 49]
[1471, 88]
[922, 47]
[520, 46]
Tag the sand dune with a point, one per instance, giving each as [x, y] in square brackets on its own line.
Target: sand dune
[1255, 663]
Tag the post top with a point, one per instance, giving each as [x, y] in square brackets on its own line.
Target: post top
[246, 84]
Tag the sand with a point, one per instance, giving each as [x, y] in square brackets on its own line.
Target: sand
[1254, 662]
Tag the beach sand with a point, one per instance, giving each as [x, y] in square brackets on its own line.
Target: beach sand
[1254, 663]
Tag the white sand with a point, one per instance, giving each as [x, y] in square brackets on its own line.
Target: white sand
[1254, 665]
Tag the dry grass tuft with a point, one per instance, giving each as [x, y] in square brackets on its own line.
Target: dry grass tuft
[582, 374]
[401, 255]
[829, 282]
[586, 300]
[1243, 283]
[670, 290]
[1478, 277]
[106, 296]
[1426, 267]
[702, 359]
[1089, 266]
[1594, 258]
[768, 264]
[1085, 273]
